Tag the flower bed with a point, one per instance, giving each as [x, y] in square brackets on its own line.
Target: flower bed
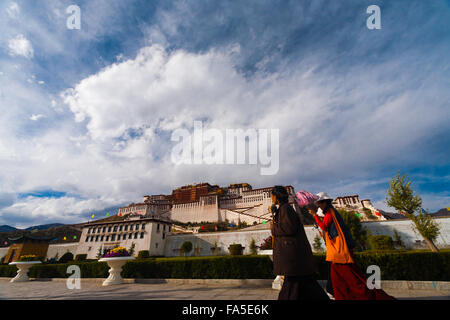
[30, 257]
[117, 252]
[267, 244]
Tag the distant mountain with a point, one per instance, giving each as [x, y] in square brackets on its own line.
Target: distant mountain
[441, 213]
[44, 226]
[59, 234]
[392, 215]
[6, 228]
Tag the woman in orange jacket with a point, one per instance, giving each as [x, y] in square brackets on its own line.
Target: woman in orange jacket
[348, 282]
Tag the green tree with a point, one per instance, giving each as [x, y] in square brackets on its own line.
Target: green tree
[398, 238]
[66, 257]
[131, 250]
[99, 252]
[317, 244]
[401, 197]
[186, 247]
[359, 233]
[381, 242]
[216, 249]
[253, 248]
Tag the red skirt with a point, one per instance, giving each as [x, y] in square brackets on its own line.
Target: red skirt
[349, 283]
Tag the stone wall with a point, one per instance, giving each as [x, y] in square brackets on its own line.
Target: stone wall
[3, 252]
[61, 249]
[206, 241]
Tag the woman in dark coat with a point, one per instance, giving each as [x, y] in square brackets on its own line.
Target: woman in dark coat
[292, 254]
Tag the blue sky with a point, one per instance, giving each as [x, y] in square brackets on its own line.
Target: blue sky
[86, 115]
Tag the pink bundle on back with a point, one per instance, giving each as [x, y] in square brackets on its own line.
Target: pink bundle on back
[304, 198]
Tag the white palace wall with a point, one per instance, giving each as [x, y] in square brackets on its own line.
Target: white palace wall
[206, 241]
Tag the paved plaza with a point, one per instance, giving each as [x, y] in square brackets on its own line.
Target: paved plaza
[93, 289]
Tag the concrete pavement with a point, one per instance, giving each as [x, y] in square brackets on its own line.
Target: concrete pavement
[92, 289]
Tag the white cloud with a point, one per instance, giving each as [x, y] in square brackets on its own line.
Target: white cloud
[114, 145]
[45, 210]
[13, 10]
[36, 117]
[20, 46]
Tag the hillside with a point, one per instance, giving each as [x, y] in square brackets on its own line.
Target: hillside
[6, 228]
[441, 213]
[44, 226]
[70, 232]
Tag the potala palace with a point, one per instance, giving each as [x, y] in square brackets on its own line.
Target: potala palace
[236, 203]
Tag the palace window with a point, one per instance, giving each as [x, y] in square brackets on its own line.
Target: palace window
[96, 238]
[113, 237]
[87, 239]
[157, 227]
[107, 238]
[89, 230]
[143, 226]
[137, 227]
[109, 229]
[156, 245]
[126, 227]
[104, 229]
[130, 236]
[118, 237]
[136, 235]
[98, 230]
[163, 235]
[131, 227]
[120, 228]
[101, 238]
[164, 227]
[142, 235]
[115, 228]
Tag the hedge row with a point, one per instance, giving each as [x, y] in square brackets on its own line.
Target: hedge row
[394, 265]
[418, 265]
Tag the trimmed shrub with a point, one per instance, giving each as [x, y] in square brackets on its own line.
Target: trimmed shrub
[186, 247]
[253, 247]
[66, 257]
[381, 242]
[222, 267]
[236, 249]
[412, 265]
[143, 254]
[417, 265]
[80, 257]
